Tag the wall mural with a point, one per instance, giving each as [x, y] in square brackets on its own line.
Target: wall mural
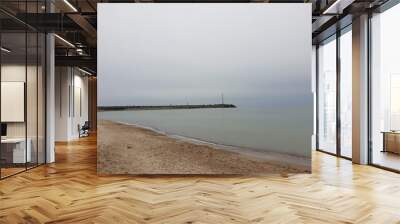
[204, 88]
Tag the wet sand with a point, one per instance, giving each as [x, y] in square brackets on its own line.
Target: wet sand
[128, 149]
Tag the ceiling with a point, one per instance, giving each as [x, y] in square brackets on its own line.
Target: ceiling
[75, 21]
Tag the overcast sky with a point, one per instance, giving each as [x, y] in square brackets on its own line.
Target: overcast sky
[160, 54]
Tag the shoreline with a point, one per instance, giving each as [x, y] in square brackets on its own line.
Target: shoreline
[135, 149]
[272, 155]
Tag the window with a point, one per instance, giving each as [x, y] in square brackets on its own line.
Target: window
[327, 96]
[346, 93]
[385, 89]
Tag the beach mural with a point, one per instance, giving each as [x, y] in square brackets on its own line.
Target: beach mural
[204, 89]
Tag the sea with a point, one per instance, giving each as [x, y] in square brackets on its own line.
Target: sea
[257, 129]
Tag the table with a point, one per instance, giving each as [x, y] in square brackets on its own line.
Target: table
[15, 148]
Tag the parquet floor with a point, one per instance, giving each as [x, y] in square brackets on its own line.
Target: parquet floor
[69, 191]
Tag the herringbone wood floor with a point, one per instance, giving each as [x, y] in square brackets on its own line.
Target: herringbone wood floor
[69, 191]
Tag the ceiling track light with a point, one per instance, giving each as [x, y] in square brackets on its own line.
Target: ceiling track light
[337, 7]
[70, 5]
[65, 41]
[5, 50]
[84, 71]
[327, 11]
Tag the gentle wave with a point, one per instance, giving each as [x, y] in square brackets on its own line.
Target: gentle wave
[255, 153]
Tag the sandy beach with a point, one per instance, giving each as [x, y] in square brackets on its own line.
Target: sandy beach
[128, 149]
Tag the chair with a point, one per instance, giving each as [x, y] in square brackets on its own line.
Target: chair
[84, 130]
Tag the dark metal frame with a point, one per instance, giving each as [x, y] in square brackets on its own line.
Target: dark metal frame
[338, 97]
[340, 33]
[389, 4]
[44, 74]
[369, 82]
[338, 152]
[316, 97]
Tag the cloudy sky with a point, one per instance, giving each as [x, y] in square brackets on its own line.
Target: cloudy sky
[160, 54]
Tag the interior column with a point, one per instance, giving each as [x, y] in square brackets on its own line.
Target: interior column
[360, 90]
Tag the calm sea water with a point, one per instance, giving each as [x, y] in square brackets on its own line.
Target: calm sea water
[251, 128]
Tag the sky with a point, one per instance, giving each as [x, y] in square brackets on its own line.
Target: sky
[162, 54]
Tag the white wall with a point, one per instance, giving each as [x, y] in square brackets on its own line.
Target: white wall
[33, 126]
[62, 81]
[14, 72]
[70, 83]
[79, 117]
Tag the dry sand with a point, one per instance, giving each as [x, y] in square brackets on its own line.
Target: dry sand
[128, 149]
